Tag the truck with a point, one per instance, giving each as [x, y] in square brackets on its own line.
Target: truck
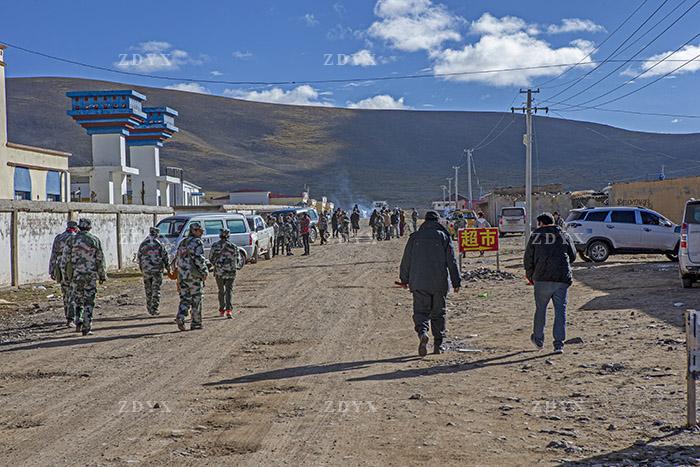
[262, 237]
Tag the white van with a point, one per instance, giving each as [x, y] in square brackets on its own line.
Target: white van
[512, 220]
[689, 251]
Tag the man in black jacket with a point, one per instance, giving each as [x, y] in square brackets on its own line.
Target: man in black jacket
[426, 261]
[548, 259]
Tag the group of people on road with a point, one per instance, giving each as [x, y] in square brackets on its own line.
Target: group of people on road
[290, 231]
[428, 267]
[391, 223]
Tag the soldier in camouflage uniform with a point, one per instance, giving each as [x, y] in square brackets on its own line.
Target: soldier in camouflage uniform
[287, 230]
[224, 257]
[84, 264]
[153, 260]
[57, 273]
[191, 274]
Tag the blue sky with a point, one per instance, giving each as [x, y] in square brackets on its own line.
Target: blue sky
[319, 40]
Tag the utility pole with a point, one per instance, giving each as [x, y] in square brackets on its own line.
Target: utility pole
[527, 140]
[449, 190]
[468, 153]
[444, 190]
[456, 167]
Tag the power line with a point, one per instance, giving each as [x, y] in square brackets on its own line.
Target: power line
[637, 53]
[597, 48]
[610, 56]
[297, 82]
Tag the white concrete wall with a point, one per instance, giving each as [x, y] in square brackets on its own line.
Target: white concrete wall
[104, 227]
[5, 248]
[133, 228]
[35, 234]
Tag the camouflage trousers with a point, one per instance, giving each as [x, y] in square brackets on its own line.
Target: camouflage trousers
[83, 290]
[191, 299]
[68, 305]
[225, 285]
[152, 281]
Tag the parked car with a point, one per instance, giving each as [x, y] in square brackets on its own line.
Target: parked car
[601, 232]
[313, 215]
[512, 220]
[689, 251]
[263, 237]
[173, 229]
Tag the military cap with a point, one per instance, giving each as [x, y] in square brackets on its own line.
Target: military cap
[224, 232]
[154, 231]
[84, 224]
[71, 225]
[195, 226]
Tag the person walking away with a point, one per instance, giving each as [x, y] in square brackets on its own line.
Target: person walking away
[279, 239]
[84, 264]
[57, 274]
[402, 222]
[548, 257]
[153, 260]
[322, 226]
[287, 235]
[334, 223]
[296, 231]
[224, 258]
[386, 220]
[395, 223]
[191, 273]
[373, 223]
[345, 226]
[414, 219]
[355, 221]
[305, 230]
[428, 260]
[272, 221]
[559, 221]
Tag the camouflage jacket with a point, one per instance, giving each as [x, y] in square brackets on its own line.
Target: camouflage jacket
[59, 243]
[224, 258]
[83, 254]
[152, 256]
[190, 259]
[286, 230]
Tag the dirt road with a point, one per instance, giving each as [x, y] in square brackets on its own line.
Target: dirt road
[319, 368]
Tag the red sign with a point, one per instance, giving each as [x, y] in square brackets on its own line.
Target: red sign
[478, 239]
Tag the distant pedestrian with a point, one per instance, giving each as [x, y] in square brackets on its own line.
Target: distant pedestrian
[481, 222]
[427, 261]
[355, 221]
[287, 236]
[558, 221]
[548, 257]
[334, 223]
[344, 226]
[192, 273]
[305, 230]
[56, 272]
[414, 219]
[153, 260]
[386, 221]
[84, 264]
[272, 221]
[224, 258]
[322, 226]
[402, 222]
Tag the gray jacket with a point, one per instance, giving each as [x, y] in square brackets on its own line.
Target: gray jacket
[427, 259]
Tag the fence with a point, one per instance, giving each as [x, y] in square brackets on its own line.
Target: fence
[27, 230]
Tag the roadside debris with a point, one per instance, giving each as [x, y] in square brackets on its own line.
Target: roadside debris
[487, 275]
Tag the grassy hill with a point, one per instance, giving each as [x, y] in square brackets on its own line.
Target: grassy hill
[354, 155]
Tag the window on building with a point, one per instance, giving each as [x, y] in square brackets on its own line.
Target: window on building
[53, 186]
[23, 184]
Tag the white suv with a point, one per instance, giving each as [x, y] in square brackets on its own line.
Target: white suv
[601, 232]
[689, 253]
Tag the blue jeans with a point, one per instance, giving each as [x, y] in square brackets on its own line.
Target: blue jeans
[557, 292]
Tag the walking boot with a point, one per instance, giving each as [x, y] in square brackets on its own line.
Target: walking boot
[180, 323]
[229, 314]
[222, 312]
[437, 348]
[423, 345]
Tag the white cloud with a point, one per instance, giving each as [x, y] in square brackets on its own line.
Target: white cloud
[574, 25]
[310, 19]
[155, 56]
[189, 87]
[507, 42]
[379, 102]
[240, 55]
[413, 25]
[686, 53]
[301, 95]
[676, 120]
[360, 58]
[215, 73]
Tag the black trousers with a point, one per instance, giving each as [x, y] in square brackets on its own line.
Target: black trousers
[225, 287]
[429, 313]
[322, 234]
[279, 243]
[305, 241]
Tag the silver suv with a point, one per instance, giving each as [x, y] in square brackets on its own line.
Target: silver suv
[689, 253]
[601, 232]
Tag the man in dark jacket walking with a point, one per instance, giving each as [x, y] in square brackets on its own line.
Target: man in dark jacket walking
[427, 260]
[548, 259]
